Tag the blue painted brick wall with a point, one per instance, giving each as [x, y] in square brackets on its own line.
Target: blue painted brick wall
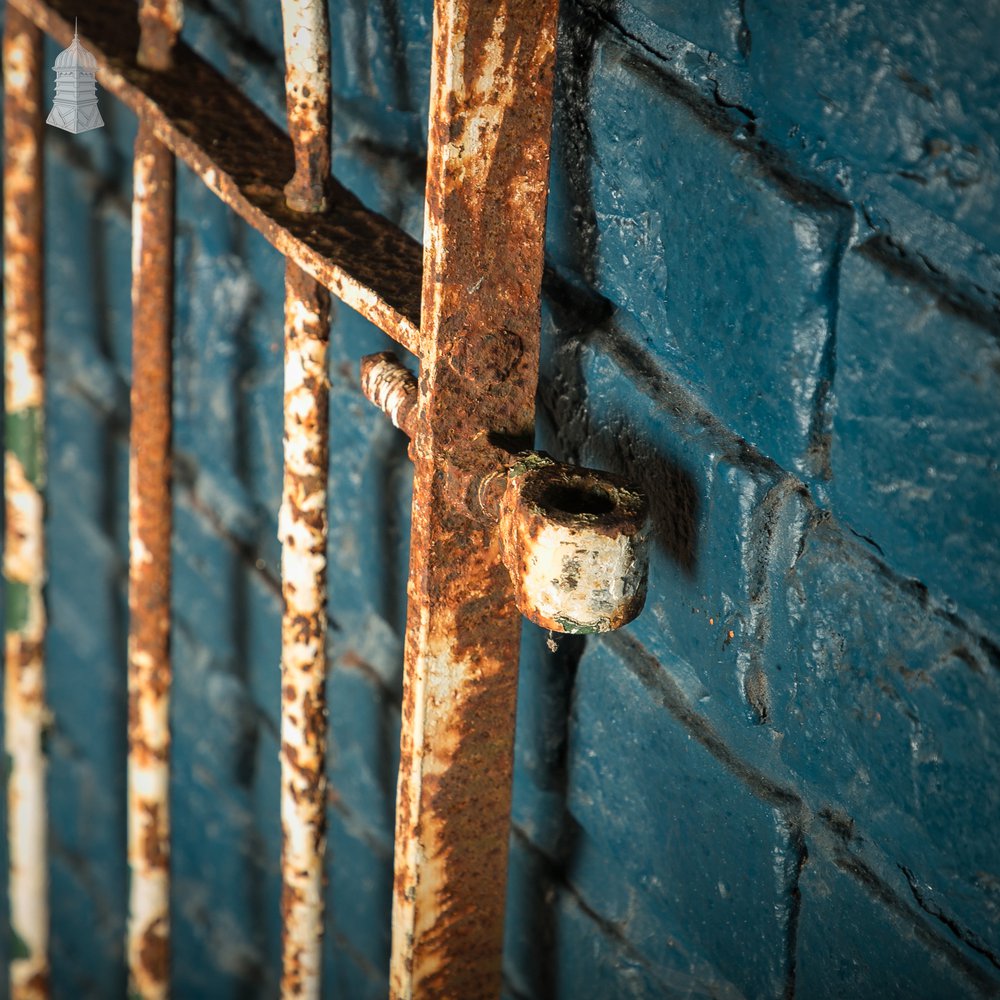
[773, 300]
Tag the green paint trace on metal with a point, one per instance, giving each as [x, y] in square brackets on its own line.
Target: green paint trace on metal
[18, 948]
[17, 602]
[581, 628]
[527, 461]
[25, 438]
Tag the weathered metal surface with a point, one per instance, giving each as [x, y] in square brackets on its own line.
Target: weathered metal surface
[302, 529]
[159, 26]
[24, 473]
[575, 541]
[488, 156]
[246, 160]
[302, 522]
[149, 669]
[392, 388]
[307, 96]
[576, 544]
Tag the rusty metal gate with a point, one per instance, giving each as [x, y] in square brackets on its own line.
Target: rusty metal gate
[497, 530]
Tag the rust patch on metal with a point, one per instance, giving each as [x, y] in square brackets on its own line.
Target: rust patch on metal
[302, 529]
[154, 952]
[150, 517]
[486, 190]
[25, 714]
[246, 160]
[159, 26]
[307, 98]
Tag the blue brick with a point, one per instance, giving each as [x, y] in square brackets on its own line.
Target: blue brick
[358, 897]
[239, 49]
[728, 271]
[363, 758]
[215, 731]
[917, 434]
[718, 26]
[710, 501]
[373, 42]
[364, 734]
[263, 23]
[706, 869]
[593, 964]
[352, 975]
[206, 228]
[886, 710]
[85, 667]
[849, 944]
[556, 947]
[543, 700]
[85, 895]
[899, 93]
[527, 928]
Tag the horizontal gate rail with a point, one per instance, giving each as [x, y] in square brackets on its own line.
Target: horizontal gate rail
[244, 158]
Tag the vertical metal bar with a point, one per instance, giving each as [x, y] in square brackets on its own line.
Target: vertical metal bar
[149, 568]
[302, 523]
[159, 26]
[487, 182]
[302, 529]
[307, 98]
[24, 475]
[150, 517]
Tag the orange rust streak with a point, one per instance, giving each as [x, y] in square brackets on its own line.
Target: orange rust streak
[487, 173]
[150, 513]
[25, 714]
[302, 529]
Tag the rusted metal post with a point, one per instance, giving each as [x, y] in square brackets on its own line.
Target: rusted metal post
[302, 522]
[487, 181]
[24, 475]
[150, 517]
[149, 569]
